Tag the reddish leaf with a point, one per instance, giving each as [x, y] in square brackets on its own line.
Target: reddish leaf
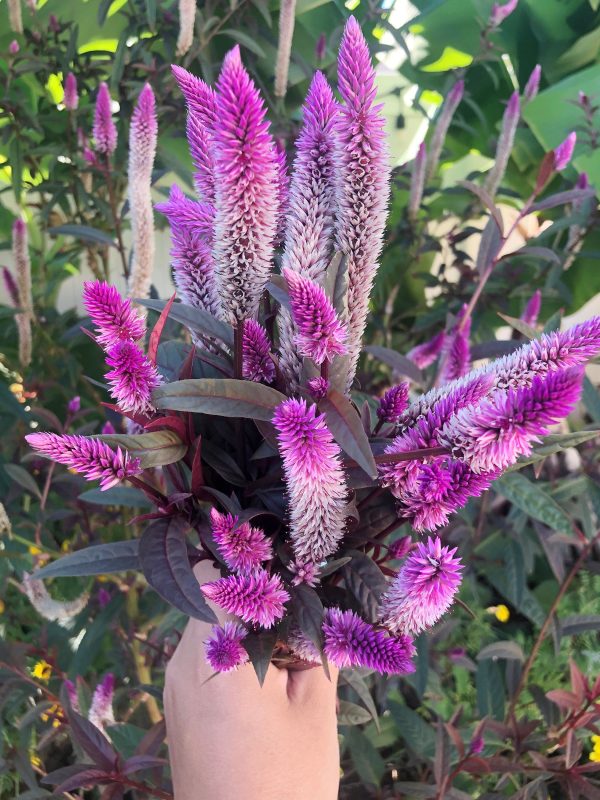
[197, 475]
[152, 740]
[140, 762]
[564, 699]
[573, 750]
[171, 423]
[456, 739]
[90, 777]
[158, 329]
[578, 682]
[346, 428]
[92, 741]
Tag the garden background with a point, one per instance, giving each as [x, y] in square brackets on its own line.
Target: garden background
[503, 702]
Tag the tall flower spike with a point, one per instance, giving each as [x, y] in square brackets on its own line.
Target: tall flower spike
[314, 478]
[181, 211]
[287, 16]
[310, 216]
[423, 590]
[320, 335]
[417, 182]
[283, 191]
[224, 649]
[246, 192]
[132, 378]
[257, 597]
[142, 150]
[20, 246]
[105, 131]
[501, 11]
[506, 140]
[71, 98]
[115, 318]
[101, 708]
[363, 177]
[532, 86]
[11, 287]
[91, 457]
[349, 641]
[564, 152]
[493, 434]
[393, 403]
[15, 17]
[187, 20]
[193, 268]
[242, 547]
[442, 126]
[423, 355]
[532, 309]
[456, 352]
[256, 353]
[54, 610]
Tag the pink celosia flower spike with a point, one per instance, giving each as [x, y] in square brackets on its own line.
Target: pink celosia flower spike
[283, 191]
[11, 287]
[101, 708]
[456, 352]
[224, 649]
[564, 152]
[393, 403]
[442, 125]
[256, 597]
[91, 457]
[132, 378]
[105, 131]
[287, 17]
[315, 480]
[532, 86]
[501, 12]
[423, 590]
[417, 182]
[422, 355]
[363, 175]
[256, 353]
[187, 19]
[532, 309]
[61, 611]
[320, 335]
[115, 318]
[349, 641]
[309, 232]
[494, 433]
[142, 150]
[181, 211]
[510, 122]
[15, 18]
[23, 320]
[242, 547]
[71, 98]
[246, 192]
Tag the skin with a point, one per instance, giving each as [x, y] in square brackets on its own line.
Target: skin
[229, 738]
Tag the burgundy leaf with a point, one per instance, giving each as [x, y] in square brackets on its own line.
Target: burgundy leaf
[140, 762]
[158, 329]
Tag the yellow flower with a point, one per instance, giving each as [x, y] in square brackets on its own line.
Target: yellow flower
[35, 760]
[42, 670]
[102, 578]
[2, 607]
[51, 713]
[501, 612]
[595, 754]
[34, 551]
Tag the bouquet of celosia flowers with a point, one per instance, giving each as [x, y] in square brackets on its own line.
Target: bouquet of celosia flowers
[247, 439]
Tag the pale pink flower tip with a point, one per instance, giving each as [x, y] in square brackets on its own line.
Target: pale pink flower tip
[105, 131]
[307, 572]
[115, 318]
[501, 12]
[533, 84]
[258, 597]
[242, 547]
[564, 152]
[101, 708]
[532, 309]
[224, 649]
[71, 98]
[256, 353]
[318, 387]
[13, 47]
[321, 335]
[424, 588]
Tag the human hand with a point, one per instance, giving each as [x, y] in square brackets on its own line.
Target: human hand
[231, 739]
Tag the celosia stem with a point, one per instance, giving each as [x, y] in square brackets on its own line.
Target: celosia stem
[588, 547]
[410, 455]
[150, 492]
[116, 219]
[238, 348]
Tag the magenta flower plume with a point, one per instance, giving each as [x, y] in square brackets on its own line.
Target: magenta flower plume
[13, 47]
[532, 86]
[307, 573]
[193, 268]
[321, 336]
[362, 180]
[105, 131]
[257, 597]
[71, 98]
[182, 211]
[501, 11]
[564, 152]
[318, 387]
[493, 434]
[200, 98]
[349, 641]
[532, 309]
[310, 214]
[101, 708]
[12, 290]
[246, 192]
[423, 590]
[393, 403]
[91, 457]
[115, 318]
[224, 649]
[132, 378]
[422, 355]
[456, 352]
[242, 547]
[256, 353]
[314, 478]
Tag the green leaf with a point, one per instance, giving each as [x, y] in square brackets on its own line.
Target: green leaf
[194, 319]
[591, 399]
[308, 612]
[520, 326]
[125, 496]
[555, 443]
[366, 582]
[352, 714]
[579, 623]
[365, 758]
[151, 13]
[259, 647]
[23, 478]
[85, 232]
[509, 650]
[399, 363]
[244, 39]
[346, 427]
[166, 566]
[100, 559]
[534, 501]
[222, 398]
[418, 735]
[153, 449]
[490, 690]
